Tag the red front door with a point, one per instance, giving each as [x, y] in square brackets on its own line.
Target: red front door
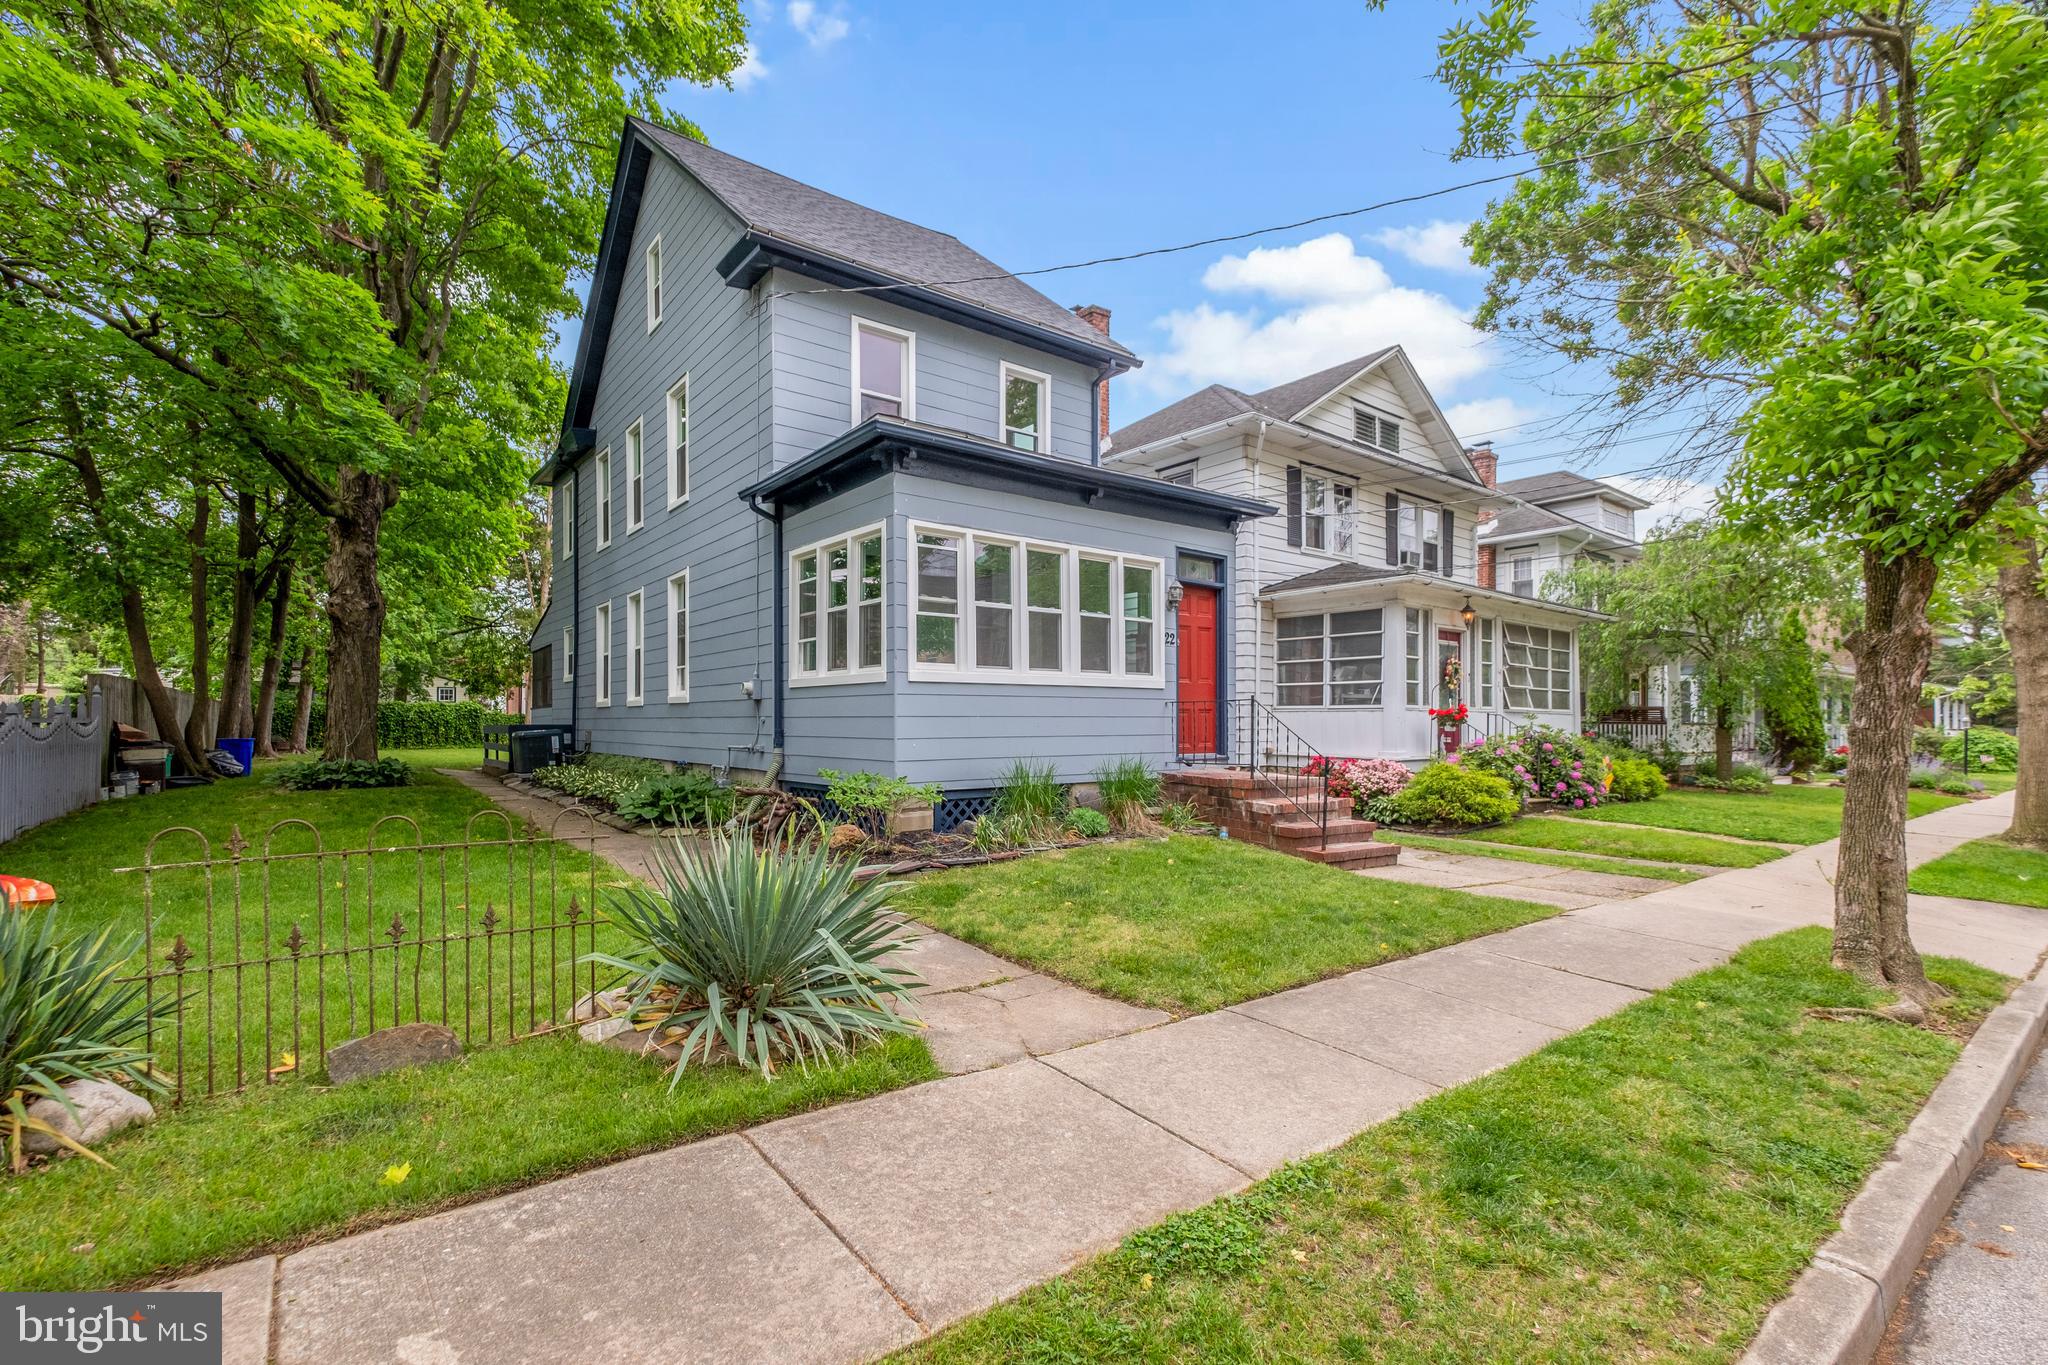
[1197, 624]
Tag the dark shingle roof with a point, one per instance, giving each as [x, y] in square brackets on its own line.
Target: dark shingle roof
[1289, 399]
[1563, 483]
[1282, 402]
[800, 213]
[1527, 521]
[1333, 576]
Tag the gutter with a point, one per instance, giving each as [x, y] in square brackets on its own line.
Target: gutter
[1449, 585]
[779, 684]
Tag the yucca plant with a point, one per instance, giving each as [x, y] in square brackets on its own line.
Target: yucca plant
[773, 952]
[62, 1018]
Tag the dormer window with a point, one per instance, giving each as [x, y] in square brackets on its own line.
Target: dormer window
[1374, 428]
[883, 371]
[1025, 403]
[654, 283]
[1617, 520]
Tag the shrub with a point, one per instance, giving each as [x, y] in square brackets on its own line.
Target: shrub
[1088, 823]
[1636, 779]
[1991, 751]
[690, 797]
[1791, 701]
[1030, 802]
[868, 799]
[774, 953]
[333, 774]
[1362, 779]
[1957, 786]
[401, 724]
[1453, 794]
[1180, 817]
[62, 1019]
[1543, 762]
[1745, 778]
[607, 778]
[1381, 810]
[1925, 774]
[1128, 790]
[1836, 761]
[1929, 741]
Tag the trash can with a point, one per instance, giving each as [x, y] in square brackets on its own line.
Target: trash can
[243, 751]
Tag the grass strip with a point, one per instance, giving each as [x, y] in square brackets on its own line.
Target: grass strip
[1782, 815]
[1987, 870]
[1657, 845]
[1475, 845]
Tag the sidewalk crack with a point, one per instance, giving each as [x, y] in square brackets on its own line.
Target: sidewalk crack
[865, 1264]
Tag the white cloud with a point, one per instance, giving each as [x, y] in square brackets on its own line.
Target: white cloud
[751, 70]
[1439, 245]
[821, 30]
[1671, 499]
[1490, 419]
[1333, 304]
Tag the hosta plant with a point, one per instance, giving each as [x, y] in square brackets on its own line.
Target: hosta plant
[62, 1019]
[773, 954]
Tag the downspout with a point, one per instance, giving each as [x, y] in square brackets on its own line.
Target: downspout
[781, 596]
[575, 599]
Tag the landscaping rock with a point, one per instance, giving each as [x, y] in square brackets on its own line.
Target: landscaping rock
[103, 1109]
[388, 1049]
[845, 837]
[599, 1005]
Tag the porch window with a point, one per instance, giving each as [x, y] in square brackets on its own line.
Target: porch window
[839, 619]
[1043, 593]
[1328, 518]
[1539, 668]
[938, 598]
[1332, 660]
[1024, 408]
[881, 371]
[1418, 630]
[1487, 628]
[636, 648]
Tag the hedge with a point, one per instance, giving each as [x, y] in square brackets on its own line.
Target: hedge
[406, 724]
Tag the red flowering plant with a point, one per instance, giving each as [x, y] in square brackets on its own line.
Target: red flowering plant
[1451, 713]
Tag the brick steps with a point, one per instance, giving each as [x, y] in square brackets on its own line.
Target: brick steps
[1288, 814]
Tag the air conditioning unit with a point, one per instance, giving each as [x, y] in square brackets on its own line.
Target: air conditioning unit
[1411, 559]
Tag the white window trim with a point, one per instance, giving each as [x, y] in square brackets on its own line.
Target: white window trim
[601, 628]
[602, 475]
[654, 271]
[1044, 381]
[1070, 675]
[820, 677]
[565, 511]
[1329, 662]
[680, 668]
[569, 653]
[636, 641]
[909, 399]
[636, 443]
[679, 445]
[1336, 524]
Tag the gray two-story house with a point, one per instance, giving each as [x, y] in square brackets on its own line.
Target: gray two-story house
[829, 494]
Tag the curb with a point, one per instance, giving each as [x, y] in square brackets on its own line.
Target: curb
[1837, 1310]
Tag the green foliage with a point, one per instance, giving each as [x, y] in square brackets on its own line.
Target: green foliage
[1180, 816]
[1925, 774]
[1230, 1235]
[1087, 822]
[62, 1019]
[1636, 779]
[689, 797]
[774, 955]
[609, 778]
[1128, 790]
[1791, 698]
[1929, 741]
[1542, 762]
[1746, 778]
[868, 799]
[1030, 802]
[434, 724]
[1453, 794]
[1991, 751]
[335, 774]
[1955, 786]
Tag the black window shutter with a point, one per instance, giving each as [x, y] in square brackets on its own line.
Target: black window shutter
[1393, 528]
[1450, 542]
[1294, 504]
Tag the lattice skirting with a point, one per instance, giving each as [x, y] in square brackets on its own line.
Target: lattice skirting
[955, 809]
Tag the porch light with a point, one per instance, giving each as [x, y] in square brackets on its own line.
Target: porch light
[1466, 614]
[1173, 593]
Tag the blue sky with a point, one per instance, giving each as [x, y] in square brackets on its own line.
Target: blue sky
[1063, 131]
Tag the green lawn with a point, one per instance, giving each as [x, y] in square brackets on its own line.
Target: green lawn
[1188, 924]
[1641, 1190]
[1666, 846]
[1987, 870]
[1785, 814]
[1474, 845]
[294, 1161]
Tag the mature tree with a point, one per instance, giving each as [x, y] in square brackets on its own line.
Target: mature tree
[1837, 214]
[1971, 657]
[343, 232]
[1700, 593]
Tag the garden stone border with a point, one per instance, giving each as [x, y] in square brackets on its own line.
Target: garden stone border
[527, 787]
[1837, 1310]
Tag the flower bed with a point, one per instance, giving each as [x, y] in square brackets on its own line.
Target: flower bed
[1545, 763]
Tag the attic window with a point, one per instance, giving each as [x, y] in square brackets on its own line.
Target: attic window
[1374, 429]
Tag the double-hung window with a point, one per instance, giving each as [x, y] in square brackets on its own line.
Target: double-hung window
[569, 654]
[679, 637]
[1328, 519]
[1027, 401]
[838, 616]
[636, 648]
[636, 479]
[1539, 667]
[603, 632]
[1331, 660]
[996, 608]
[604, 498]
[565, 514]
[1522, 572]
[679, 442]
[543, 673]
[654, 283]
[884, 371]
[1488, 660]
[1419, 535]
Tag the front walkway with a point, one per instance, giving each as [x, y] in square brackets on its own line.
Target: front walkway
[840, 1235]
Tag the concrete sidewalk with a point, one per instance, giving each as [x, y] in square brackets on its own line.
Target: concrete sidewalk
[840, 1235]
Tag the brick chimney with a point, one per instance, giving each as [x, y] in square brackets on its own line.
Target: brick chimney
[1488, 464]
[1096, 316]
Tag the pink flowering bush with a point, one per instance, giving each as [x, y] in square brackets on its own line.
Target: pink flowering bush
[1364, 780]
[1544, 763]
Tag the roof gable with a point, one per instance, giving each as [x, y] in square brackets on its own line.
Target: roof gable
[1560, 485]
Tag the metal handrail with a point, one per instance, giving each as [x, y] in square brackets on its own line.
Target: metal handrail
[1307, 766]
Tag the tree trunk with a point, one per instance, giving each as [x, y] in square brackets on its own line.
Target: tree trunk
[1891, 652]
[273, 661]
[235, 717]
[199, 725]
[1724, 744]
[302, 705]
[2026, 633]
[355, 614]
